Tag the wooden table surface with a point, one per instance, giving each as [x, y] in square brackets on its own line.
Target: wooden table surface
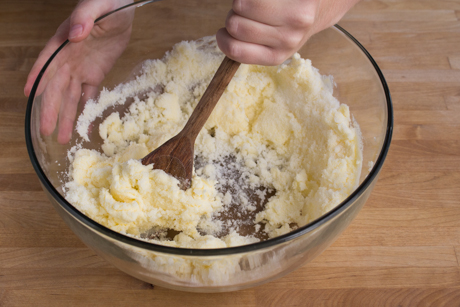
[402, 250]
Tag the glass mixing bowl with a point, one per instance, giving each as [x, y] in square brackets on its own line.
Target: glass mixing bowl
[155, 29]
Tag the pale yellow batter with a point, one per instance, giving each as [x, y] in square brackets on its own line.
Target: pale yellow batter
[281, 126]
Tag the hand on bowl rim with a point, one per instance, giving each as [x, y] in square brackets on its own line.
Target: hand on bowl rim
[77, 71]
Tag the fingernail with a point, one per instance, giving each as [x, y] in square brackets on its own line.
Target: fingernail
[75, 31]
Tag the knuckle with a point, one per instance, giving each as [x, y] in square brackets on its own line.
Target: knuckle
[233, 50]
[292, 40]
[237, 6]
[303, 19]
[278, 57]
[232, 24]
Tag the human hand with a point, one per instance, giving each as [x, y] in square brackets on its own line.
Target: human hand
[268, 32]
[78, 68]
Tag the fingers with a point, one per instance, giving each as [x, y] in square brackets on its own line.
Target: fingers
[291, 13]
[89, 92]
[248, 30]
[68, 111]
[50, 48]
[60, 99]
[267, 32]
[52, 98]
[82, 18]
[248, 53]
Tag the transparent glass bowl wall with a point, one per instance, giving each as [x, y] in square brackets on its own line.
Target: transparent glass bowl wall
[156, 28]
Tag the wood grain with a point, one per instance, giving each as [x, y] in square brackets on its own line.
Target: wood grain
[402, 250]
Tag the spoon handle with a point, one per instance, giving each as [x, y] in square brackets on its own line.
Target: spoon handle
[211, 96]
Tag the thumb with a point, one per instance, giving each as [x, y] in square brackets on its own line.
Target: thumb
[84, 15]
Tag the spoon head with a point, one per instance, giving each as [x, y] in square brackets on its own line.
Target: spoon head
[174, 167]
[175, 157]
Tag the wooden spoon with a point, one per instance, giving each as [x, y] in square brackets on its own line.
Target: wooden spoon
[175, 156]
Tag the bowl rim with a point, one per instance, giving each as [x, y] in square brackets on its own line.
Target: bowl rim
[139, 243]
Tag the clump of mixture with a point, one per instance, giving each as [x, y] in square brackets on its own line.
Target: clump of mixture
[277, 152]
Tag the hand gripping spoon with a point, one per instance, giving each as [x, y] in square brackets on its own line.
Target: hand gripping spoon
[176, 155]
